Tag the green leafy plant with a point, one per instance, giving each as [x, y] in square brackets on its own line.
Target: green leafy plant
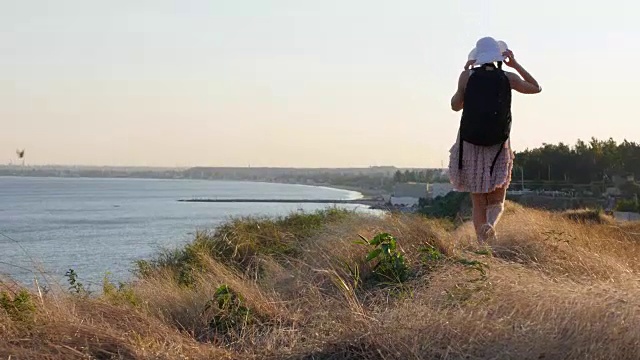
[390, 262]
[430, 256]
[354, 271]
[229, 308]
[475, 265]
[75, 285]
[485, 250]
[19, 307]
[123, 293]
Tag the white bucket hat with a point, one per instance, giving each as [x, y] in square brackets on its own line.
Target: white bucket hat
[488, 50]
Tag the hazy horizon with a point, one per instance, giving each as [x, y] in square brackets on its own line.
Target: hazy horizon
[18, 164]
[296, 84]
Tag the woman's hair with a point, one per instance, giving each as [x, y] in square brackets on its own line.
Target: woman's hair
[499, 64]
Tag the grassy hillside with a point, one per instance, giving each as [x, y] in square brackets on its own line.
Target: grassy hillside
[556, 286]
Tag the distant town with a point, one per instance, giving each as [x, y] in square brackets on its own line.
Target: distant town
[371, 181]
[594, 174]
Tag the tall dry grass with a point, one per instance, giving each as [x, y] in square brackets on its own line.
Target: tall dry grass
[556, 286]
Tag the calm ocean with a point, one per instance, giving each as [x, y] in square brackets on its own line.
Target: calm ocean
[100, 226]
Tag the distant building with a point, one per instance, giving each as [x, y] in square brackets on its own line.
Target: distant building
[439, 189]
[408, 194]
[621, 179]
[404, 201]
[415, 190]
[612, 191]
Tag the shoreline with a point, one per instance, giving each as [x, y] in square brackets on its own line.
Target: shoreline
[362, 193]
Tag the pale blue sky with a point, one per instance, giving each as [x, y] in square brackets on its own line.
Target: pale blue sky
[297, 82]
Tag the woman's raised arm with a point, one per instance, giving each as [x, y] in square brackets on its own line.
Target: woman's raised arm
[457, 101]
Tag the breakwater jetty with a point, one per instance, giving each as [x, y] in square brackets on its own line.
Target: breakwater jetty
[364, 201]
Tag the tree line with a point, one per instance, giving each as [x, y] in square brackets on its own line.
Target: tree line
[420, 176]
[582, 163]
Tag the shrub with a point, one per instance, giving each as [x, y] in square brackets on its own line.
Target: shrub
[19, 306]
[121, 294]
[629, 205]
[238, 243]
[430, 256]
[230, 313]
[448, 206]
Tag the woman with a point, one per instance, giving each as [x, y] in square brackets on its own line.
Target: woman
[485, 171]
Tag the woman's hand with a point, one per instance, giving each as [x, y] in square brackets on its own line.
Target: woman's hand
[469, 64]
[527, 86]
[510, 60]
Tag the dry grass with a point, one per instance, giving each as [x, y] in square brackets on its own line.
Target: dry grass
[558, 286]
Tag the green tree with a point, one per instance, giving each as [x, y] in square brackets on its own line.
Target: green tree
[584, 163]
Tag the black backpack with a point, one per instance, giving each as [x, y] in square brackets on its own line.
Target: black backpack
[486, 113]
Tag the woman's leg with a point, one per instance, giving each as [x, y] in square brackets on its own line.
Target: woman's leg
[479, 215]
[495, 205]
